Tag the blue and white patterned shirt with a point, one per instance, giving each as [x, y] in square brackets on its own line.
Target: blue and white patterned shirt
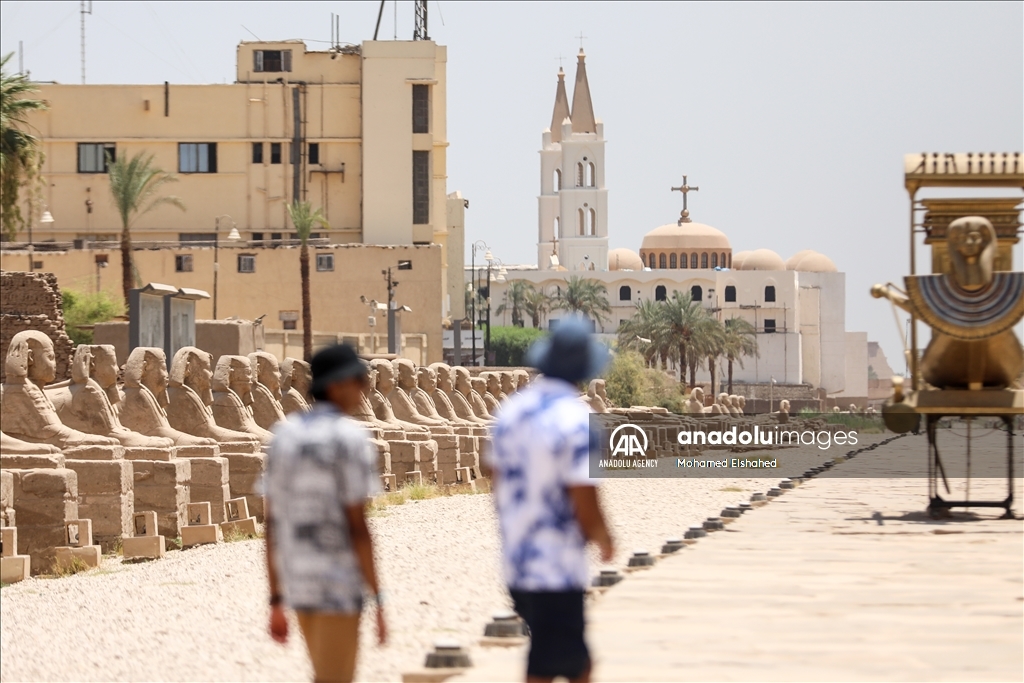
[319, 463]
[541, 442]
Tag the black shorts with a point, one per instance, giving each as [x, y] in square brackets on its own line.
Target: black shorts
[555, 620]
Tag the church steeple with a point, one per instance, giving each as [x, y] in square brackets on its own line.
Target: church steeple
[582, 108]
[561, 112]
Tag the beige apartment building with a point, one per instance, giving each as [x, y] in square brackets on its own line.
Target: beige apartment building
[359, 131]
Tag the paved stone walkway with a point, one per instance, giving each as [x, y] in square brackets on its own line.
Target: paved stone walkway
[839, 579]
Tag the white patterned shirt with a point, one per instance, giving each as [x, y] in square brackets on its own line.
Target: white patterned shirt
[319, 463]
[541, 442]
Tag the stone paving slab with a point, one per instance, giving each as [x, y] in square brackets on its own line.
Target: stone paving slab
[838, 579]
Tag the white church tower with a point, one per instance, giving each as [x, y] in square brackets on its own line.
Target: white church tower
[573, 202]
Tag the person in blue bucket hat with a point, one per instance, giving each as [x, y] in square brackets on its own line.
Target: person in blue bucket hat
[547, 504]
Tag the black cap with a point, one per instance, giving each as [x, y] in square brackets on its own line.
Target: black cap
[334, 364]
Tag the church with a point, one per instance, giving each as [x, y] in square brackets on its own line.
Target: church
[797, 306]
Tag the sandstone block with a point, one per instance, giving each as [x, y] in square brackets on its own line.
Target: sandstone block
[8, 541]
[28, 462]
[98, 477]
[243, 527]
[139, 453]
[158, 473]
[78, 532]
[95, 453]
[6, 489]
[15, 568]
[145, 523]
[199, 534]
[40, 482]
[214, 496]
[89, 554]
[197, 451]
[246, 462]
[404, 452]
[209, 471]
[151, 547]
[111, 516]
[448, 456]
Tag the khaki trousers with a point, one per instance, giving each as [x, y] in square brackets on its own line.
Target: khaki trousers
[333, 641]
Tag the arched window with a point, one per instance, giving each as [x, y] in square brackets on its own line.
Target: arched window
[769, 293]
[696, 293]
[557, 181]
[582, 227]
[730, 260]
[591, 175]
[558, 228]
[721, 261]
[683, 262]
[660, 293]
[625, 293]
[714, 260]
[650, 259]
[693, 260]
[671, 260]
[704, 260]
[592, 223]
[730, 293]
[661, 260]
[579, 174]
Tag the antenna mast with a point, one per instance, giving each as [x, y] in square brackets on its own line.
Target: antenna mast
[420, 31]
[83, 11]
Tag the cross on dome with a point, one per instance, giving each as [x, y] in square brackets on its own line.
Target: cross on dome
[684, 215]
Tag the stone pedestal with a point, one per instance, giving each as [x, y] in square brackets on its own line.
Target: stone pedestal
[210, 484]
[46, 500]
[94, 453]
[161, 454]
[7, 517]
[13, 567]
[237, 520]
[245, 472]
[79, 548]
[31, 462]
[105, 497]
[163, 488]
[200, 530]
[146, 543]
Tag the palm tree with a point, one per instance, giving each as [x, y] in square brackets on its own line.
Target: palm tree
[645, 332]
[738, 341]
[683, 320]
[20, 155]
[712, 344]
[304, 217]
[586, 297]
[515, 300]
[537, 304]
[134, 184]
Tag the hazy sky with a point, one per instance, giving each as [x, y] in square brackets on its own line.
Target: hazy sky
[792, 118]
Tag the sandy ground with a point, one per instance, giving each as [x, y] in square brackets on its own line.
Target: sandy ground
[200, 614]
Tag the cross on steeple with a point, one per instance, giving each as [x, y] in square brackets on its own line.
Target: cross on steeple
[581, 38]
[560, 58]
[684, 215]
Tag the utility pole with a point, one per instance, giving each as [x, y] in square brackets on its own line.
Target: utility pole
[83, 11]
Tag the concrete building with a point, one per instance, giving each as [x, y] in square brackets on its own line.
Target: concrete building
[360, 131]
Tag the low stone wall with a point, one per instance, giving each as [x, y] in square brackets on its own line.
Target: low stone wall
[32, 301]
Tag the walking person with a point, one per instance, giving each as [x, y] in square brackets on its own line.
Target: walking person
[547, 504]
[320, 474]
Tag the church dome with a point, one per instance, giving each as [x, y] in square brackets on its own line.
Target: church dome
[624, 259]
[685, 236]
[738, 258]
[795, 258]
[763, 259]
[811, 262]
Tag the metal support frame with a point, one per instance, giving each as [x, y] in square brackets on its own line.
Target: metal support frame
[937, 503]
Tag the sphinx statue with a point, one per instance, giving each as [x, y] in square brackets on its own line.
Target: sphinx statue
[783, 414]
[26, 412]
[232, 397]
[594, 398]
[473, 388]
[432, 402]
[85, 405]
[400, 396]
[266, 390]
[11, 446]
[507, 382]
[143, 408]
[971, 310]
[740, 402]
[494, 386]
[479, 384]
[295, 382]
[695, 404]
[383, 385]
[522, 378]
[190, 395]
[446, 385]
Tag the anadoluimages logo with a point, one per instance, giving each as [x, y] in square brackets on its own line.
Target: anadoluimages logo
[628, 441]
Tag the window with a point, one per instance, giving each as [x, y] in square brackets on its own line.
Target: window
[696, 293]
[591, 173]
[582, 227]
[693, 260]
[183, 263]
[671, 260]
[314, 153]
[275, 237]
[246, 263]
[769, 325]
[558, 228]
[579, 175]
[257, 237]
[730, 293]
[324, 263]
[662, 263]
[704, 260]
[769, 293]
[421, 109]
[592, 222]
[197, 157]
[625, 293]
[714, 260]
[730, 260]
[312, 236]
[257, 152]
[660, 293]
[275, 152]
[95, 157]
[290, 324]
[722, 261]
[651, 259]
[682, 260]
[272, 60]
[210, 237]
[421, 188]
[557, 180]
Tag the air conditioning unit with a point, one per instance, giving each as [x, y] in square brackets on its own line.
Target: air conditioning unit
[372, 321]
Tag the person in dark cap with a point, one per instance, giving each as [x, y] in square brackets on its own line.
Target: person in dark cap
[547, 504]
[320, 474]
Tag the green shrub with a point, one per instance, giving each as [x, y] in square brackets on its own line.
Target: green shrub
[83, 309]
[509, 344]
[629, 382]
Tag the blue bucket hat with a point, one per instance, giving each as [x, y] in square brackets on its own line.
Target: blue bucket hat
[570, 352]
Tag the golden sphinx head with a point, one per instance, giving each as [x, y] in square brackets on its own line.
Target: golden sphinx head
[972, 249]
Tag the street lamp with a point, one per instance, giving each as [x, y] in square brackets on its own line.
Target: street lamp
[233, 236]
[479, 245]
[45, 219]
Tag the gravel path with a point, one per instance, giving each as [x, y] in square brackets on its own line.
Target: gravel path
[200, 614]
